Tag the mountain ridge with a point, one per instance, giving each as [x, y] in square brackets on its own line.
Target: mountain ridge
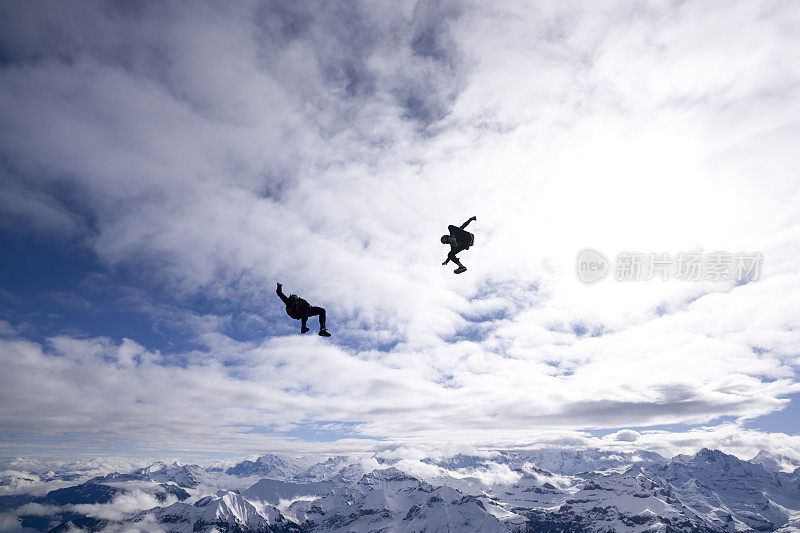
[554, 489]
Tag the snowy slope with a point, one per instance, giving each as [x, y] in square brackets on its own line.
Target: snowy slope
[724, 489]
[273, 491]
[631, 500]
[572, 462]
[298, 469]
[775, 462]
[327, 469]
[182, 475]
[390, 500]
[224, 511]
[272, 467]
[586, 490]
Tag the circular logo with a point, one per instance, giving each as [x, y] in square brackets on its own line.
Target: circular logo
[591, 265]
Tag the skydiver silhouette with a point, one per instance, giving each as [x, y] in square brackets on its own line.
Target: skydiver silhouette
[299, 309]
[459, 240]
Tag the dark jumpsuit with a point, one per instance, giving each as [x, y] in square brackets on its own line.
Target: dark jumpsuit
[299, 309]
[464, 240]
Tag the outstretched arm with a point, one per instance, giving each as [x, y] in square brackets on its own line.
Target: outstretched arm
[464, 225]
[282, 296]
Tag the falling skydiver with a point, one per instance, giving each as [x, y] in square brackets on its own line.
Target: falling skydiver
[459, 240]
[299, 309]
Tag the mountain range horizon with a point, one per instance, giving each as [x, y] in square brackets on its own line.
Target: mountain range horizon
[547, 489]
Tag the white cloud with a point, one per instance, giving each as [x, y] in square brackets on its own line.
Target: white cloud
[122, 506]
[7, 329]
[730, 438]
[330, 149]
[492, 474]
[147, 525]
[627, 435]
[36, 509]
[15, 481]
[9, 523]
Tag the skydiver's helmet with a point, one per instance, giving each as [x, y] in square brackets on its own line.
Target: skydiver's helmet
[293, 297]
[445, 239]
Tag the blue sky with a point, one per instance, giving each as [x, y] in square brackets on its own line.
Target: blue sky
[162, 166]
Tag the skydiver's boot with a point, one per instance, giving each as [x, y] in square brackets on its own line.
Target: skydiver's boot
[304, 329]
[460, 269]
[324, 333]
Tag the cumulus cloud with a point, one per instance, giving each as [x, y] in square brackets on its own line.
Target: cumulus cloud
[147, 525]
[217, 149]
[627, 435]
[122, 506]
[9, 523]
[15, 481]
[492, 474]
[36, 509]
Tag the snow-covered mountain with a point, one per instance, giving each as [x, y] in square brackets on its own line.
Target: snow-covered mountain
[572, 462]
[272, 467]
[391, 500]
[188, 476]
[223, 511]
[775, 462]
[273, 491]
[631, 500]
[327, 469]
[723, 489]
[299, 469]
[513, 491]
[709, 491]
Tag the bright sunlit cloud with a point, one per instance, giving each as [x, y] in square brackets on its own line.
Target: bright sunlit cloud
[185, 158]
